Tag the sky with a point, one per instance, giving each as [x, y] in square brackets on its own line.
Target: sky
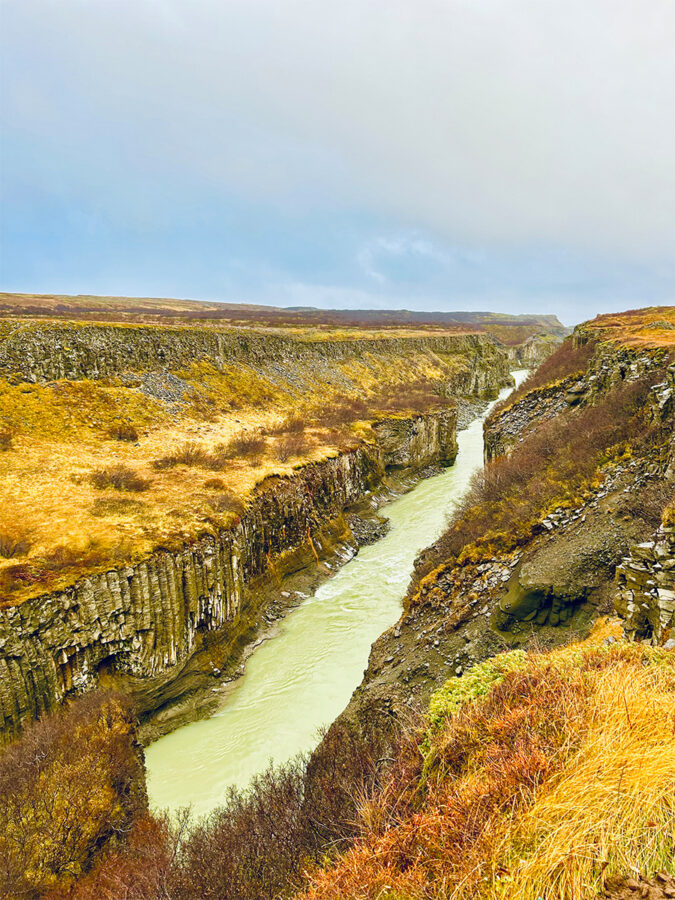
[513, 155]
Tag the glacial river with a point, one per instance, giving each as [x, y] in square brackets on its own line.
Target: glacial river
[303, 677]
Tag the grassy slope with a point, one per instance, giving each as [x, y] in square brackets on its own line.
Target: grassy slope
[538, 776]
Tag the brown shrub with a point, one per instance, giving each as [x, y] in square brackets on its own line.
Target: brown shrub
[120, 477]
[6, 439]
[214, 484]
[13, 545]
[246, 445]
[291, 446]
[123, 432]
[563, 362]
[190, 454]
[291, 425]
[70, 784]
[137, 870]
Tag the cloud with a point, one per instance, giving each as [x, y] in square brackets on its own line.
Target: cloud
[479, 120]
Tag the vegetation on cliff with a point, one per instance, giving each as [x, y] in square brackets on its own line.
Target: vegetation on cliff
[539, 776]
[555, 466]
[73, 785]
[95, 471]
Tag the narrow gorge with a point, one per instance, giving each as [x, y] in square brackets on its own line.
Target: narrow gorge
[209, 531]
[175, 620]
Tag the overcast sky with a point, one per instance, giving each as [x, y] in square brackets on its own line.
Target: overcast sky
[515, 155]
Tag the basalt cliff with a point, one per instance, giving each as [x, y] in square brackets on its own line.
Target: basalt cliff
[164, 613]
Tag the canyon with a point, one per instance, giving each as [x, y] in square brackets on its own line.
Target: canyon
[478, 753]
[166, 623]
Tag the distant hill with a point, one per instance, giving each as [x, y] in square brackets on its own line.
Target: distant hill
[510, 330]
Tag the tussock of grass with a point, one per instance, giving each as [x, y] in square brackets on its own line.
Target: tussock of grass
[13, 545]
[120, 477]
[542, 775]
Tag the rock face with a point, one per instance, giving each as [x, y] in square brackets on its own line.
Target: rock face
[533, 351]
[609, 366]
[646, 587]
[144, 622]
[38, 352]
[418, 440]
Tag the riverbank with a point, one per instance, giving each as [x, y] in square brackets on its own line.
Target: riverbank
[302, 678]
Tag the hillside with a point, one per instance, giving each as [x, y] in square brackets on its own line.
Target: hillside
[512, 736]
[302, 321]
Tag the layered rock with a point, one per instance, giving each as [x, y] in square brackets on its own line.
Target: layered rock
[38, 352]
[609, 366]
[646, 587]
[142, 623]
[418, 440]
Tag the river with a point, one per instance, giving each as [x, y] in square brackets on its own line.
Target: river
[303, 677]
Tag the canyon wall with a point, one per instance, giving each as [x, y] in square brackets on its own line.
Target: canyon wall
[143, 622]
[610, 365]
[39, 352]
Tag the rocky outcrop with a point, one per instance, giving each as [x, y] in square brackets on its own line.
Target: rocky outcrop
[139, 625]
[502, 430]
[533, 351]
[609, 366]
[39, 352]
[646, 587]
[421, 438]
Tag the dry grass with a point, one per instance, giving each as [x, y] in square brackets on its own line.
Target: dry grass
[230, 423]
[653, 326]
[560, 772]
[123, 432]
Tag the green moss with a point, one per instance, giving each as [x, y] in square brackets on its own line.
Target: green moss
[474, 683]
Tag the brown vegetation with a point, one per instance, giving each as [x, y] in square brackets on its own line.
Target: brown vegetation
[567, 360]
[123, 432]
[70, 785]
[291, 446]
[120, 477]
[258, 844]
[6, 438]
[294, 424]
[543, 787]
[554, 465]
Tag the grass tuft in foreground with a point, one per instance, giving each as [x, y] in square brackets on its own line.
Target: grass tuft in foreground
[539, 777]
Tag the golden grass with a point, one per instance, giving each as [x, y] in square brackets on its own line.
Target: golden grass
[652, 327]
[61, 435]
[612, 809]
[556, 775]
